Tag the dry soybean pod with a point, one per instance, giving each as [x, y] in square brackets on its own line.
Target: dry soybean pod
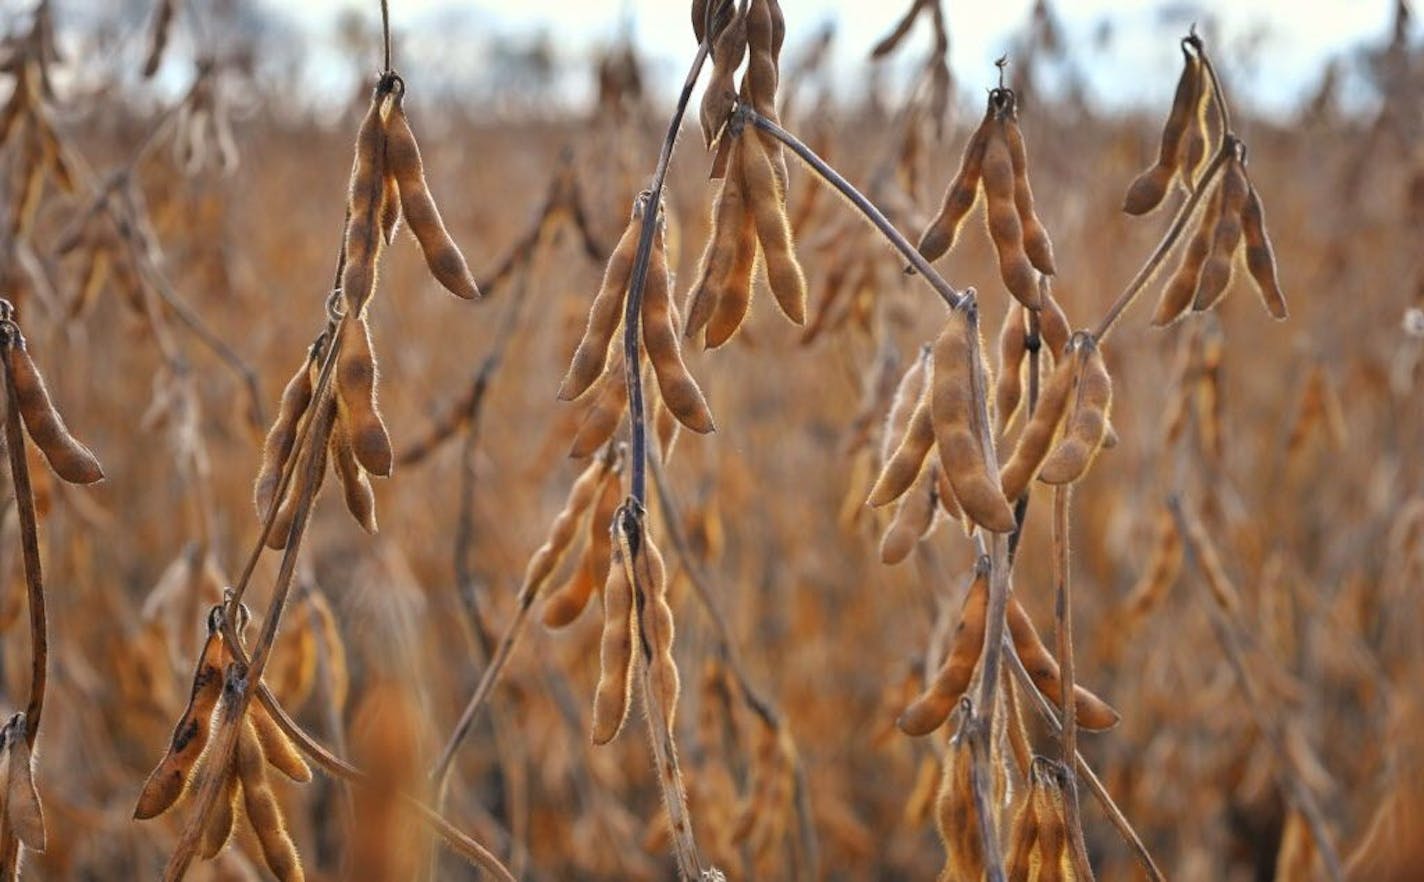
[362, 245]
[282, 524]
[1013, 346]
[561, 532]
[1053, 327]
[957, 817]
[221, 822]
[190, 736]
[1038, 433]
[1177, 296]
[603, 415]
[604, 316]
[69, 458]
[355, 485]
[954, 415]
[913, 518]
[1225, 237]
[908, 393]
[959, 196]
[279, 750]
[679, 390]
[1037, 245]
[1092, 712]
[356, 379]
[773, 228]
[1023, 836]
[1147, 191]
[735, 297]
[1260, 257]
[728, 48]
[565, 605]
[908, 459]
[929, 711]
[276, 449]
[1051, 848]
[264, 814]
[1087, 424]
[1005, 227]
[657, 625]
[442, 255]
[620, 634]
[718, 259]
[20, 806]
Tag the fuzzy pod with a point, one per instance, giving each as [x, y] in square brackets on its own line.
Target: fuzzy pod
[357, 375]
[680, 392]
[1260, 257]
[959, 196]
[1226, 237]
[614, 692]
[264, 813]
[956, 403]
[1087, 422]
[70, 459]
[1149, 188]
[930, 710]
[1005, 226]
[604, 316]
[190, 736]
[277, 448]
[442, 255]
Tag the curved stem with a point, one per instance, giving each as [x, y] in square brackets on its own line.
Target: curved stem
[954, 299]
[1165, 246]
[30, 549]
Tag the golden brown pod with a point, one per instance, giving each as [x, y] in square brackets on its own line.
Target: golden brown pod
[604, 413]
[680, 392]
[657, 627]
[735, 297]
[442, 255]
[913, 518]
[1225, 237]
[729, 47]
[1036, 243]
[1087, 423]
[356, 379]
[20, 807]
[278, 749]
[1149, 188]
[959, 196]
[69, 458]
[1092, 712]
[729, 228]
[561, 532]
[905, 464]
[956, 402]
[1053, 327]
[1013, 347]
[1050, 813]
[564, 605]
[190, 736]
[223, 819]
[362, 245]
[1260, 257]
[614, 692]
[929, 711]
[604, 316]
[957, 817]
[277, 448]
[355, 485]
[1038, 433]
[1005, 226]
[264, 813]
[765, 197]
[1177, 296]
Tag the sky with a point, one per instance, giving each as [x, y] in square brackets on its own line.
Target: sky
[1285, 46]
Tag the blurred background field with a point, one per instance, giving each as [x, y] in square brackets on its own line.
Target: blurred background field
[1301, 449]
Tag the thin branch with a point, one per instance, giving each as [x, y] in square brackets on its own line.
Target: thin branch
[954, 299]
[1063, 606]
[30, 549]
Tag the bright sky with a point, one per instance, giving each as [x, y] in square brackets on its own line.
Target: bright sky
[1285, 42]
